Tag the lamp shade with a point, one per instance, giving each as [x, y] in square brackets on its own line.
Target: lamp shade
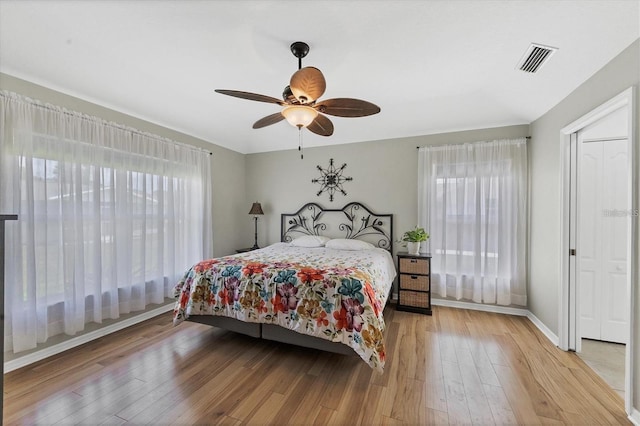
[299, 115]
[256, 209]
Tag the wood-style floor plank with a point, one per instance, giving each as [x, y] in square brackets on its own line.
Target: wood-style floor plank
[517, 395]
[499, 405]
[455, 367]
[267, 410]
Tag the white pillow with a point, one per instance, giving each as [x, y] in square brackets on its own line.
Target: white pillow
[347, 244]
[310, 241]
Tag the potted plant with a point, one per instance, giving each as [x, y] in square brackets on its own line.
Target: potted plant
[413, 238]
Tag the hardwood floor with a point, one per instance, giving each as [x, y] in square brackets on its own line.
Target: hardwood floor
[455, 367]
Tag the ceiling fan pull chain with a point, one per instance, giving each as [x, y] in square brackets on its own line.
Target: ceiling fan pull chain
[300, 148]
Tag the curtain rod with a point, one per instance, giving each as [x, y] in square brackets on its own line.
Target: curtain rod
[418, 147]
[59, 109]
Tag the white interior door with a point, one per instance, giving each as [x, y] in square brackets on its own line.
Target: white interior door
[602, 239]
[589, 241]
[615, 306]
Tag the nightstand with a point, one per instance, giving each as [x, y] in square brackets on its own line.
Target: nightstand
[414, 287]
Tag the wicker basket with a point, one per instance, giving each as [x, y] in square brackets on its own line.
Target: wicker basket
[414, 266]
[414, 282]
[414, 298]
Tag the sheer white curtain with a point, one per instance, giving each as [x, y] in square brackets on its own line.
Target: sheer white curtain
[109, 218]
[472, 199]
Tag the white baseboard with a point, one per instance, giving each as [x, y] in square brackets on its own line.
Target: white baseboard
[85, 338]
[544, 329]
[480, 307]
[500, 310]
[634, 417]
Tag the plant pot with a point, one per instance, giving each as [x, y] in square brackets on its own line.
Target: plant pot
[413, 247]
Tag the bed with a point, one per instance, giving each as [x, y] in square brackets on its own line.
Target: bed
[324, 286]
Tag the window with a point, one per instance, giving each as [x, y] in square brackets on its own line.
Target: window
[473, 202]
[109, 218]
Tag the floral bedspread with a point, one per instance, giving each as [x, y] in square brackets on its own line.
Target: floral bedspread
[337, 295]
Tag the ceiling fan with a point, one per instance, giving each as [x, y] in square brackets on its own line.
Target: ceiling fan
[300, 104]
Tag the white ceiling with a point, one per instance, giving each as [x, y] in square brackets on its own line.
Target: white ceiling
[432, 66]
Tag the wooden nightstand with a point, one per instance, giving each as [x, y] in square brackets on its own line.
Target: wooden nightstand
[414, 287]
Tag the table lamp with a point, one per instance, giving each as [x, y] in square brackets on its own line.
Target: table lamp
[256, 209]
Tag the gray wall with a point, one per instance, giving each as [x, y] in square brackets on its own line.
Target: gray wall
[545, 156]
[228, 167]
[384, 172]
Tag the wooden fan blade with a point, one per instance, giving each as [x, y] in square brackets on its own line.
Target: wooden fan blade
[321, 126]
[347, 107]
[307, 84]
[268, 120]
[250, 96]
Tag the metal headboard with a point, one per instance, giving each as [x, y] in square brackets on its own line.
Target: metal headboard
[354, 221]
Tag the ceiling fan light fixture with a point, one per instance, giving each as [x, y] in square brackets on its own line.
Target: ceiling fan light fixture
[299, 115]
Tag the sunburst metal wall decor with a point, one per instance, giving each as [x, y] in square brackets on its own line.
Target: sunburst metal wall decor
[332, 179]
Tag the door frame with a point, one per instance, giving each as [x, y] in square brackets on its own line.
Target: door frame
[567, 301]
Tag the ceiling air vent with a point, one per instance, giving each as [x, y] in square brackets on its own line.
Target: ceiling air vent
[535, 56]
